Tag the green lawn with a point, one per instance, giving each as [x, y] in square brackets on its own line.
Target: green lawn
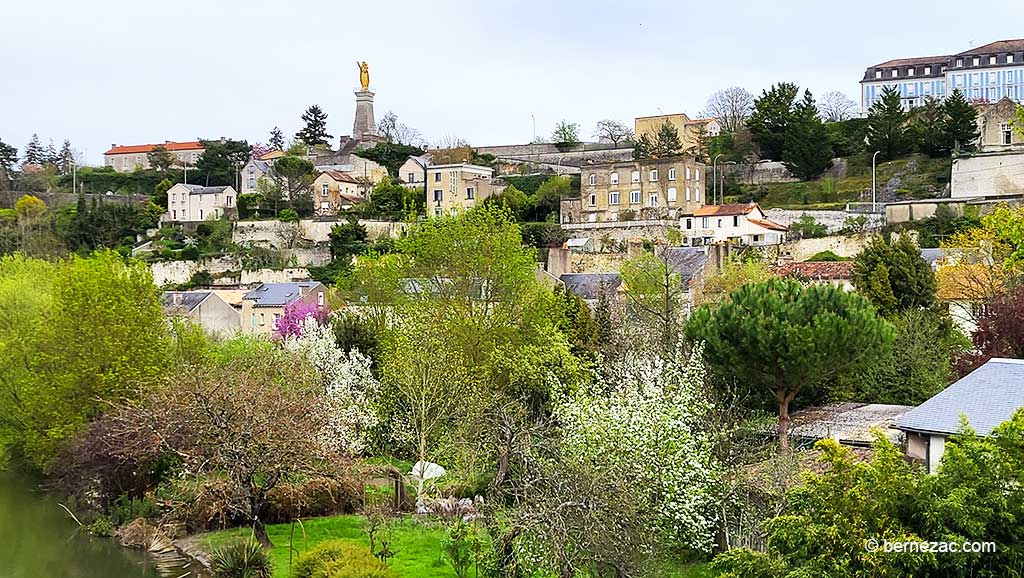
[417, 546]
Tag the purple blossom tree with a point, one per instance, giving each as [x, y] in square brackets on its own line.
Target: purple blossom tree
[290, 324]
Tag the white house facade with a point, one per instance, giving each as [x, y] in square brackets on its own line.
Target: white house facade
[187, 203]
[740, 223]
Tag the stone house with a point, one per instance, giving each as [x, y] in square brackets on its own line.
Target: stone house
[265, 305]
[986, 397]
[457, 187]
[190, 203]
[689, 129]
[126, 158]
[413, 171]
[639, 189]
[206, 308]
[997, 168]
[251, 173]
[738, 223]
[335, 191]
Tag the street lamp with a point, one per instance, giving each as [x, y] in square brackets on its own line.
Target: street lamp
[714, 177]
[874, 186]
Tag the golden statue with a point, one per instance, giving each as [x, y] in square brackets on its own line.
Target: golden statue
[364, 74]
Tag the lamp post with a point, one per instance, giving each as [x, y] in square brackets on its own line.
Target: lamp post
[722, 199]
[714, 177]
[874, 187]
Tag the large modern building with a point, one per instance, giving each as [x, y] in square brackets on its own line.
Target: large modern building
[985, 74]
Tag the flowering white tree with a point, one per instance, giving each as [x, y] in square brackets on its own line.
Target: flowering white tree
[645, 424]
[349, 385]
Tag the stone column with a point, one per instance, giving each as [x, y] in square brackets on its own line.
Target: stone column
[364, 123]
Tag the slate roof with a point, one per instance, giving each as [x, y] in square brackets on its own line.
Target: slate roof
[278, 294]
[201, 190]
[933, 256]
[186, 301]
[689, 262]
[849, 423]
[987, 396]
[589, 285]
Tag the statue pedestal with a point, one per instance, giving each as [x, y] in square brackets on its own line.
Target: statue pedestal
[364, 123]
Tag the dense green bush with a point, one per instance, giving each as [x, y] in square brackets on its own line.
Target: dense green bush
[339, 559]
[544, 235]
[126, 508]
[241, 560]
[312, 498]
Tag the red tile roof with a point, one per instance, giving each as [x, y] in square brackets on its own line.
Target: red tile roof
[913, 61]
[995, 47]
[725, 210]
[170, 146]
[769, 224]
[819, 270]
[340, 176]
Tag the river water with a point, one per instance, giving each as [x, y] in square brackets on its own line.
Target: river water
[38, 539]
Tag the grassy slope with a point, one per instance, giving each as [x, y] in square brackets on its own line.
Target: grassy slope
[927, 180]
[417, 546]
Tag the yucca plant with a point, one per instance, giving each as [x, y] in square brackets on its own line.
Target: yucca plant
[241, 560]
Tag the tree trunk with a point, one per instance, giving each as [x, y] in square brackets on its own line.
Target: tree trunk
[260, 531]
[783, 398]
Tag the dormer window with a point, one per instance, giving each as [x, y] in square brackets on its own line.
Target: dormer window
[927, 70]
[910, 72]
[991, 59]
[1009, 59]
[895, 72]
[959, 62]
[977, 61]
[878, 74]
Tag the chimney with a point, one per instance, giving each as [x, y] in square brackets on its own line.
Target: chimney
[113, 145]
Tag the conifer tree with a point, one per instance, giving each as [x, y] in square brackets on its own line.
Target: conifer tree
[35, 154]
[314, 133]
[894, 276]
[277, 139]
[807, 152]
[961, 123]
[66, 158]
[52, 157]
[887, 125]
[773, 112]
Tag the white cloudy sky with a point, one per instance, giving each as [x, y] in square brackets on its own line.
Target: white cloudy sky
[136, 71]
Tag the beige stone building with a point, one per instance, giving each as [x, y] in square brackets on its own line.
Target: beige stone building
[996, 127]
[265, 305]
[455, 188]
[640, 189]
[198, 203]
[207, 308]
[335, 191]
[125, 158]
[689, 129]
[997, 168]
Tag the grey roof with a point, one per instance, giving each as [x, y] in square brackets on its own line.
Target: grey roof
[201, 190]
[987, 396]
[278, 294]
[590, 285]
[849, 423]
[578, 242]
[186, 301]
[261, 166]
[933, 255]
[689, 262]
